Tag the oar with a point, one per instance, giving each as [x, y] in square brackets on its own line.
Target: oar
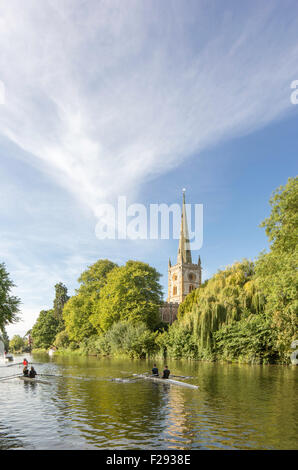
[10, 377]
[181, 376]
[15, 364]
[171, 375]
[51, 375]
[132, 375]
[21, 364]
[140, 374]
[74, 377]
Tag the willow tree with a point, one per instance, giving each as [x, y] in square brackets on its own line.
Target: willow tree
[246, 309]
[227, 297]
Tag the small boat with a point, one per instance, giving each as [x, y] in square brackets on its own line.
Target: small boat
[8, 358]
[167, 381]
[30, 379]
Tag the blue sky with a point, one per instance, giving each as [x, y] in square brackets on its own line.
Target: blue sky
[139, 99]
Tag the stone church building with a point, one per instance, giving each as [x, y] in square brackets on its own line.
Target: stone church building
[184, 276]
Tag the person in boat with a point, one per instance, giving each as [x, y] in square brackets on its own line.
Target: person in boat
[26, 371]
[32, 373]
[166, 373]
[25, 362]
[154, 370]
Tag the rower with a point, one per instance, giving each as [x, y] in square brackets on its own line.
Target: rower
[32, 373]
[155, 370]
[26, 371]
[25, 362]
[166, 373]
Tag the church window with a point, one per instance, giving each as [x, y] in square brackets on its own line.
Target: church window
[175, 290]
[190, 287]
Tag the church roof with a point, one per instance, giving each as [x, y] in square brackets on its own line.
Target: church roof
[184, 252]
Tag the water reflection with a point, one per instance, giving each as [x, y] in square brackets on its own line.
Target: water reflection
[8, 440]
[236, 407]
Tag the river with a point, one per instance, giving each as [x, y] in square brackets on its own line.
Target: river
[235, 407]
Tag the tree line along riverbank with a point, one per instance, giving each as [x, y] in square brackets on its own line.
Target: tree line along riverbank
[246, 312]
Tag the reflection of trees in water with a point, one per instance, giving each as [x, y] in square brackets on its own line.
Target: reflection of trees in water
[141, 414]
[112, 413]
[244, 406]
[237, 406]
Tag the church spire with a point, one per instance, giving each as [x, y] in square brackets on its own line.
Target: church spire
[184, 253]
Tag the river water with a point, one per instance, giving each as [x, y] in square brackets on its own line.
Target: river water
[235, 407]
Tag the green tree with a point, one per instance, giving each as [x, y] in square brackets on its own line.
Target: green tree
[135, 340]
[5, 338]
[50, 322]
[76, 316]
[247, 311]
[276, 271]
[180, 341]
[281, 226]
[228, 296]
[9, 304]
[250, 339]
[60, 300]
[79, 308]
[131, 293]
[17, 344]
[94, 278]
[45, 329]
[62, 340]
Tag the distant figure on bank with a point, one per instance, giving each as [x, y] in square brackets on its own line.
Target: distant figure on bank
[155, 370]
[166, 373]
[25, 362]
[26, 371]
[32, 373]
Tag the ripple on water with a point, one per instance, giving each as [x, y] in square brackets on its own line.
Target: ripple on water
[236, 407]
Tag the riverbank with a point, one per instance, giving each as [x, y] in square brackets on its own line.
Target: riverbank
[81, 352]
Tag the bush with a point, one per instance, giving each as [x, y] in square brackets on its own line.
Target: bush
[134, 340]
[62, 340]
[17, 344]
[251, 340]
[180, 341]
[96, 345]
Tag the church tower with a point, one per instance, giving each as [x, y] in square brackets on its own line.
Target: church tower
[184, 276]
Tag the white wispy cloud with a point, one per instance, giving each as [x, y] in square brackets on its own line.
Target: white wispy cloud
[106, 94]
[103, 96]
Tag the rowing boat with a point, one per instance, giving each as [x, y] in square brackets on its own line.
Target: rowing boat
[30, 379]
[167, 381]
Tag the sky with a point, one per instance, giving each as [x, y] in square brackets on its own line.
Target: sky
[101, 99]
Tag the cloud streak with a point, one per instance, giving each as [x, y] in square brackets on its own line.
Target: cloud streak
[104, 95]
